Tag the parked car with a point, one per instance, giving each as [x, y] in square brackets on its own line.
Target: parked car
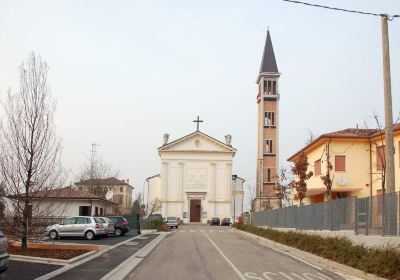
[4, 257]
[215, 222]
[121, 225]
[226, 222]
[172, 222]
[79, 226]
[109, 225]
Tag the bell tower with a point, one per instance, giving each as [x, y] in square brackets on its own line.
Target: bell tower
[268, 124]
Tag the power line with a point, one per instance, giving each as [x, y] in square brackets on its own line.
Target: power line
[343, 10]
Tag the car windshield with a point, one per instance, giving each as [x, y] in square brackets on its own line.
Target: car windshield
[171, 218]
[107, 220]
[97, 220]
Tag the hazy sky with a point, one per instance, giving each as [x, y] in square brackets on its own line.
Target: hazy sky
[125, 72]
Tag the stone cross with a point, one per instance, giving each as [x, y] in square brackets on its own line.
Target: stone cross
[198, 121]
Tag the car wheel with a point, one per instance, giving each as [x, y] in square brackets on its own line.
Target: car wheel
[53, 234]
[118, 232]
[89, 235]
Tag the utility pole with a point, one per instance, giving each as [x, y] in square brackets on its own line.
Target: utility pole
[389, 149]
[92, 163]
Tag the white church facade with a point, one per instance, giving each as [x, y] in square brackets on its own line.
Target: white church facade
[196, 182]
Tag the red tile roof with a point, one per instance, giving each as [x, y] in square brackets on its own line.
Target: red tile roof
[356, 133]
[103, 182]
[64, 193]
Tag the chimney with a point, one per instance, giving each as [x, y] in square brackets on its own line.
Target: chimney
[127, 181]
[166, 136]
[228, 139]
[123, 181]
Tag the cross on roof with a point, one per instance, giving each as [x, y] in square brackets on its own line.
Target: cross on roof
[198, 121]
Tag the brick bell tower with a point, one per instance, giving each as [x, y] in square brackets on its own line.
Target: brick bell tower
[268, 123]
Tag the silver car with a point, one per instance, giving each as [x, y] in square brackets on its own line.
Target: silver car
[172, 222]
[79, 226]
[4, 257]
[108, 225]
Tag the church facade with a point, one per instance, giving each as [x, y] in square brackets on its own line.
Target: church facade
[196, 182]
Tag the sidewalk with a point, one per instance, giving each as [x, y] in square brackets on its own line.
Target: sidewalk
[367, 240]
[100, 264]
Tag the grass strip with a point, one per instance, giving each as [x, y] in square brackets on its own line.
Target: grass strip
[383, 262]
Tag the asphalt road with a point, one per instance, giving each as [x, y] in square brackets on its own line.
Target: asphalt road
[204, 252]
[26, 271]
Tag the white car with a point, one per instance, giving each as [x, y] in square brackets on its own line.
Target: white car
[172, 222]
[79, 226]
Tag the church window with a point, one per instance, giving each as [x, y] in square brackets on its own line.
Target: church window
[268, 146]
[268, 175]
[121, 189]
[269, 118]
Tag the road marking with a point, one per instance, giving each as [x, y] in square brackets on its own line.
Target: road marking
[293, 276]
[131, 243]
[241, 276]
[142, 237]
[192, 230]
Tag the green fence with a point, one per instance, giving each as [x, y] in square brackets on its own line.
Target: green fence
[134, 222]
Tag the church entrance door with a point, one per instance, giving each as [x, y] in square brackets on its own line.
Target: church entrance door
[195, 210]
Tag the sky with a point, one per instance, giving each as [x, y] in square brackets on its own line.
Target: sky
[126, 72]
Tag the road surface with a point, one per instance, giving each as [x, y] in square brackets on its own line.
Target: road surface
[205, 252]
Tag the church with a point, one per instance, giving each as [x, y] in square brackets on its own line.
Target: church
[196, 182]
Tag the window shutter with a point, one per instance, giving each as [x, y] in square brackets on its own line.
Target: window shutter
[340, 163]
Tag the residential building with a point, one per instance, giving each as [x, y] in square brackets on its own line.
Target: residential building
[66, 202]
[120, 191]
[268, 132]
[357, 157]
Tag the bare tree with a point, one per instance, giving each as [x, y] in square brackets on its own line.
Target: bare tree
[154, 207]
[137, 205]
[29, 147]
[310, 138]
[299, 170]
[250, 192]
[282, 188]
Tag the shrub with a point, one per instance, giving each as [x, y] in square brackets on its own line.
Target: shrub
[163, 227]
[383, 262]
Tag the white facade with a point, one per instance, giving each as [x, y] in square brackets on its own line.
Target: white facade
[195, 182]
[62, 208]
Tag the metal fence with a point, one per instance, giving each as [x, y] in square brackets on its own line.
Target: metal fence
[370, 215]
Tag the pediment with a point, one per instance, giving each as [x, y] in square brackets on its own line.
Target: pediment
[197, 142]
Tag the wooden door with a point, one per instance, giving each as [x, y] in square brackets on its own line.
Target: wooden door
[195, 210]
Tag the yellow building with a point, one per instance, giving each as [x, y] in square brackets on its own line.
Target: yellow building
[357, 160]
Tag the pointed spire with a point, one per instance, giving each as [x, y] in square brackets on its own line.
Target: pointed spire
[268, 63]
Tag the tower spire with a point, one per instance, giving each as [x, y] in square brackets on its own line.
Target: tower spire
[268, 63]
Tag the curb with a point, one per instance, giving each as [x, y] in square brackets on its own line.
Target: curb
[82, 261]
[124, 268]
[30, 259]
[311, 259]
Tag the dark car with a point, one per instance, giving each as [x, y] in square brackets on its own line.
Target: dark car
[121, 225]
[215, 222]
[226, 222]
[4, 257]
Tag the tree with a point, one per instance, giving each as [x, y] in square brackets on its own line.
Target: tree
[29, 147]
[327, 179]
[282, 187]
[94, 171]
[299, 170]
[153, 207]
[137, 205]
